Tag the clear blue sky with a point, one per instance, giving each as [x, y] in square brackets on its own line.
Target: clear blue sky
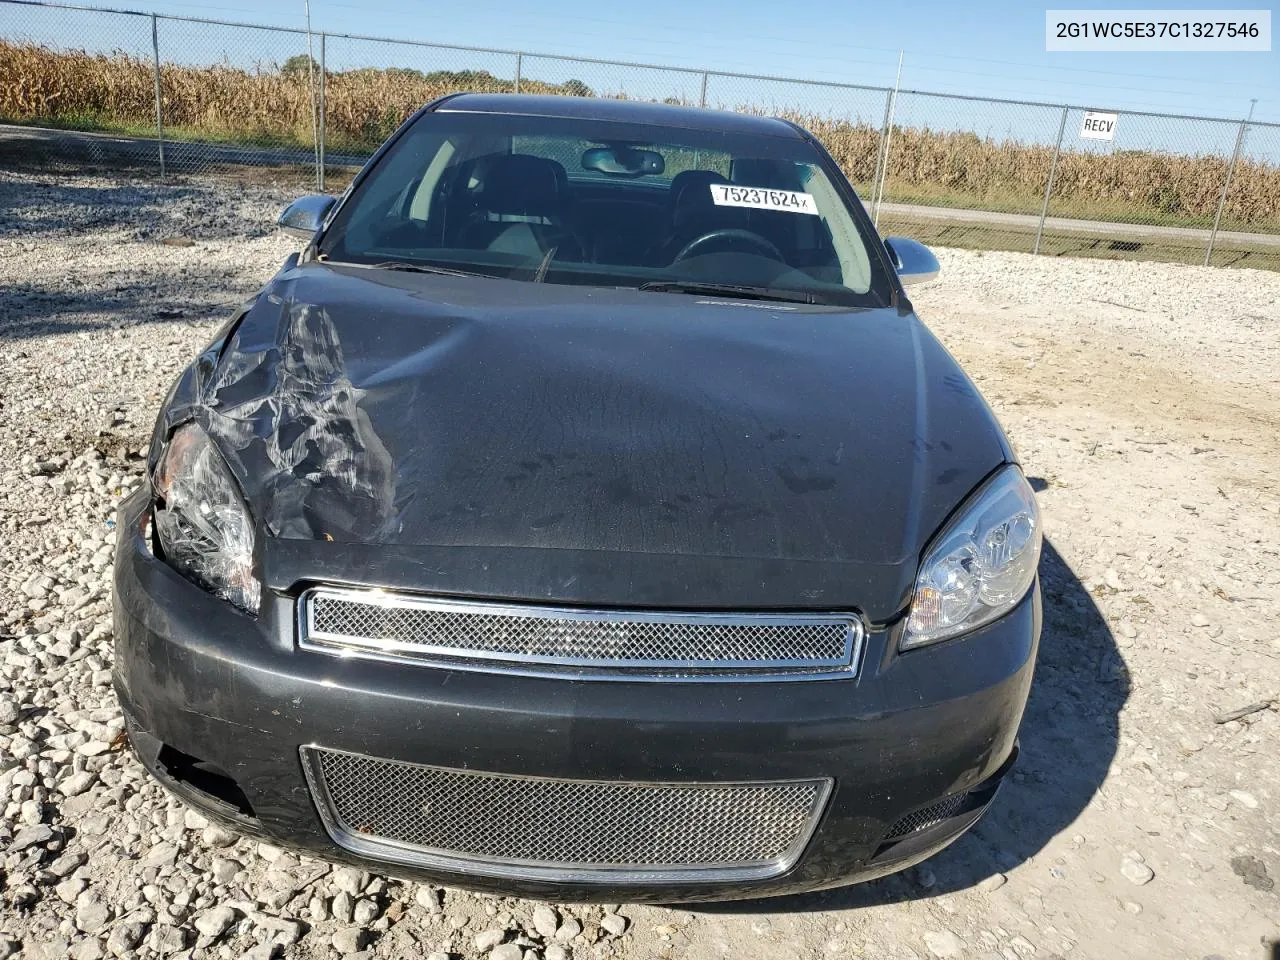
[988, 47]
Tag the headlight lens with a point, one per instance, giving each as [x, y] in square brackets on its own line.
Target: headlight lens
[981, 565]
[201, 520]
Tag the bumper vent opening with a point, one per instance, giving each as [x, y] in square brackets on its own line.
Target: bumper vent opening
[929, 816]
[959, 811]
[204, 778]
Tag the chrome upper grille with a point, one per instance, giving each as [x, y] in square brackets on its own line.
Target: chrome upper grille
[625, 643]
[538, 828]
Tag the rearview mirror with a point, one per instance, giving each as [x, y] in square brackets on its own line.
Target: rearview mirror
[623, 161]
[305, 216]
[914, 261]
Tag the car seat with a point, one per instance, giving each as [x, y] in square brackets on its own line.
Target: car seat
[521, 207]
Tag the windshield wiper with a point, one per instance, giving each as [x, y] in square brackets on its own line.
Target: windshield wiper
[541, 273]
[411, 268]
[737, 291]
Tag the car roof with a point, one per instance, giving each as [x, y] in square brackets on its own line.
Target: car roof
[626, 111]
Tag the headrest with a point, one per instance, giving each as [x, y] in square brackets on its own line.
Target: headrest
[520, 185]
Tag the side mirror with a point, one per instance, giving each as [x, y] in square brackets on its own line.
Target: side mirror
[914, 261]
[305, 216]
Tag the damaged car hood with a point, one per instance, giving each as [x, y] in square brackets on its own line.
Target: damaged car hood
[579, 444]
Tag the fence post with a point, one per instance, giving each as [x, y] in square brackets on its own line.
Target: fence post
[875, 177]
[155, 59]
[1226, 186]
[1048, 189]
[320, 123]
[519, 69]
[891, 103]
[702, 97]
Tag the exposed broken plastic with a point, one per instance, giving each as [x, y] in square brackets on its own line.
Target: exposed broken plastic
[201, 521]
[277, 400]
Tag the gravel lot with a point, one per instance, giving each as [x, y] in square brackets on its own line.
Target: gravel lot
[1141, 822]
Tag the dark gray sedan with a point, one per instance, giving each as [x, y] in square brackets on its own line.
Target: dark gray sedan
[583, 513]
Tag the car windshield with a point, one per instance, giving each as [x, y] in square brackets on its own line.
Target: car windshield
[606, 203]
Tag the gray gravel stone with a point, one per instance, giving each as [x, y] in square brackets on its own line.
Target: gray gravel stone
[349, 940]
[69, 890]
[614, 924]
[365, 911]
[165, 939]
[31, 836]
[342, 907]
[216, 836]
[281, 929]
[428, 898]
[318, 909]
[571, 927]
[349, 880]
[224, 870]
[488, 939]
[1135, 871]
[125, 937]
[77, 783]
[92, 915]
[216, 922]
[545, 921]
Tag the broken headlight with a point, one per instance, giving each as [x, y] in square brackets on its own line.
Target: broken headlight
[201, 520]
[981, 564]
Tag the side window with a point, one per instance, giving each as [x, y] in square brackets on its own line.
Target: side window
[386, 198]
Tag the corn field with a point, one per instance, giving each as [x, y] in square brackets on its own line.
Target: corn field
[271, 104]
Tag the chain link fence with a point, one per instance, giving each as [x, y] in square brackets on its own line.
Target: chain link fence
[158, 95]
[967, 172]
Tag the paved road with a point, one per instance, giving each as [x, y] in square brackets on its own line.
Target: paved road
[1028, 222]
[179, 156]
[193, 157]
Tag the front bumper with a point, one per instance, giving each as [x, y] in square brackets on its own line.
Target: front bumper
[219, 705]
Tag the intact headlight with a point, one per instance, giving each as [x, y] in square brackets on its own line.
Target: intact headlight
[201, 520]
[981, 565]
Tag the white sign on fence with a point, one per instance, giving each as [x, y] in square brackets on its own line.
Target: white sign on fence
[1098, 126]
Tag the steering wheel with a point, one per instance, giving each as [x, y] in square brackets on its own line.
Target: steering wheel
[732, 237]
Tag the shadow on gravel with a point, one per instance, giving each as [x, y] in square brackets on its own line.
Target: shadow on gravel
[29, 311]
[1069, 737]
[28, 211]
[201, 210]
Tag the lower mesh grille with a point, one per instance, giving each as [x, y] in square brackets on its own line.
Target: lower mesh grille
[930, 815]
[562, 829]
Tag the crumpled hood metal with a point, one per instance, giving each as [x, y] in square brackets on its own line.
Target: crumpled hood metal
[584, 445]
